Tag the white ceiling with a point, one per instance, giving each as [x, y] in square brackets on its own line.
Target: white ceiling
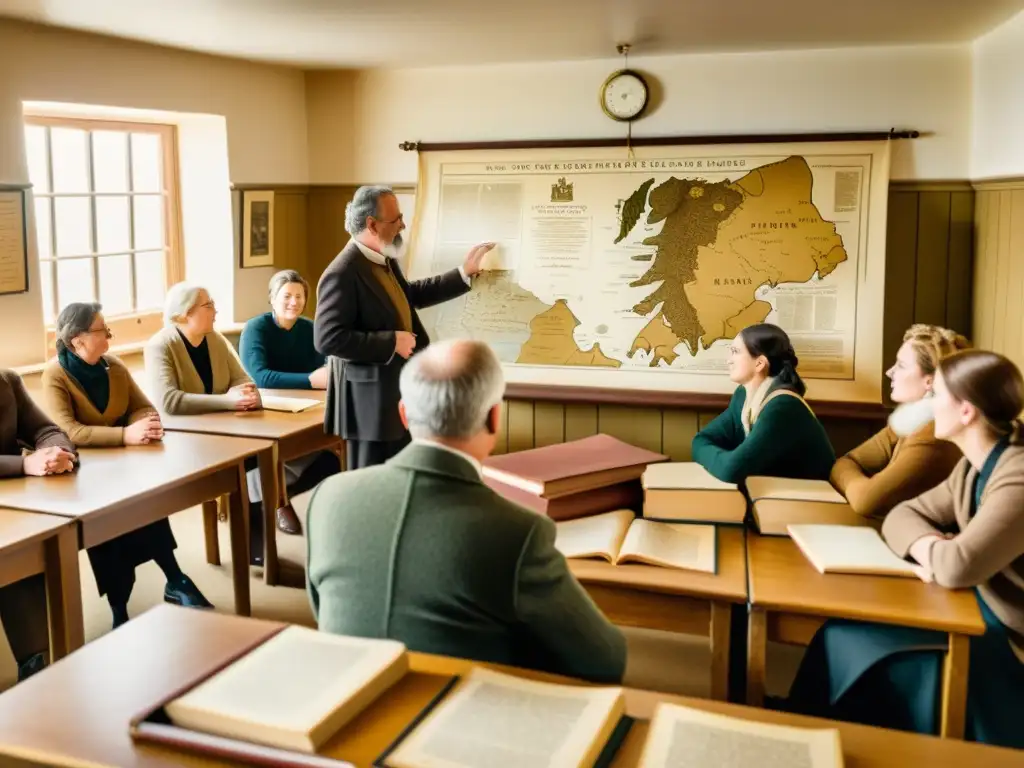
[367, 33]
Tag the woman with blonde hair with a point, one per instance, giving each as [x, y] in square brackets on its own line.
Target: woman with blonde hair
[904, 459]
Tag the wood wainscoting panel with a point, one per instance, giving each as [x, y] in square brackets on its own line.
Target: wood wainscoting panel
[998, 306]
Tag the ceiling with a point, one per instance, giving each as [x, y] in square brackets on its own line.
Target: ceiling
[373, 33]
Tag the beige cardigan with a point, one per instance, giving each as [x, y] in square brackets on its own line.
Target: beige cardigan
[987, 551]
[174, 382]
[73, 411]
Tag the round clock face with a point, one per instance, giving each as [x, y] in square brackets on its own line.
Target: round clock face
[624, 95]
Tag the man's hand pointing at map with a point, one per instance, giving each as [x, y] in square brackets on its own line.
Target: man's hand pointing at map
[475, 258]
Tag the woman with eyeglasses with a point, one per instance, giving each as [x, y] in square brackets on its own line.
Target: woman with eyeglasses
[92, 397]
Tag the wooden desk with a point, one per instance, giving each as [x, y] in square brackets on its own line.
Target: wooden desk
[293, 435]
[791, 600]
[687, 602]
[90, 698]
[32, 543]
[117, 490]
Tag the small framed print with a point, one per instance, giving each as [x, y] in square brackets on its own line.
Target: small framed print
[257, 229]
[13, 241]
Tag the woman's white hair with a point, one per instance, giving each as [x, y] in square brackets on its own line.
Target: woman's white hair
[181, 297]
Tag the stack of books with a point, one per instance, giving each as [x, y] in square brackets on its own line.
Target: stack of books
[778, 502]
[575, 479]
[685, 491]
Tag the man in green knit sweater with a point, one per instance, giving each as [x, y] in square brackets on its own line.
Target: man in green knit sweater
[420, 550]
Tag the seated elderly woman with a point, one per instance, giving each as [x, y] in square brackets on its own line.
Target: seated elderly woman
[23, 425]
[193, 369]
[94, 399]
[277, 347]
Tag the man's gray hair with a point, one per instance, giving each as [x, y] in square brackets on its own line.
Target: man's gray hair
[74, 320]
[449, 387]
[181, 297]
[364, 203]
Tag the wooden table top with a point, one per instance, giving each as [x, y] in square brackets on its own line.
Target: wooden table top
[730, 583]
[265, 425]
[19, 527]
[782, 579]
[110, 476]
[90, 697]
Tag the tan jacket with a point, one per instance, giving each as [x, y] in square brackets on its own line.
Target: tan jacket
[72, 410]
[885, 470]
[988, 550]
[174, 382]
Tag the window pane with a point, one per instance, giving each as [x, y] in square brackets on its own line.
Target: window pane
[149, 221]
[46, 284]
[149, 281]
[70, 160]
[74, 281]
[110, 161]
[74, 225]
[115, 285]
[35, 148]
[112, 225]
[147, 163]
[43, 231]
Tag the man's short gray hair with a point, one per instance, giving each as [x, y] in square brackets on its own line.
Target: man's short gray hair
[181, 297]
[364, 203]
[449, 387]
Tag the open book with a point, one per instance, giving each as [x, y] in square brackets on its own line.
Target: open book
[777, 502]
[294, 691]
[683, 737]
[686, 491]
[844, 549]
[619, 538]
[287, 404]
[497, 720]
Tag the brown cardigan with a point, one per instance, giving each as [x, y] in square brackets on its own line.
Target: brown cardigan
[885, 470]
[23, 425]
[73, 411]
[988, 551]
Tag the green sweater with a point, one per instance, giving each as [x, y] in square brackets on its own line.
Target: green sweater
[785, 441]
[277, 358]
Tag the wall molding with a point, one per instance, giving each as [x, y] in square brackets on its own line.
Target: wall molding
[997, 185]
[930, 185]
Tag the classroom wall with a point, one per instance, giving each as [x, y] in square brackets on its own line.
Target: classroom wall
[925, 88]
[264, 108]
[998, 102]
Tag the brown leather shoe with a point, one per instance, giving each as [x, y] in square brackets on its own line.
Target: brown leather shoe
[288, 521]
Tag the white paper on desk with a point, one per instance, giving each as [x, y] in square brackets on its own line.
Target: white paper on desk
[287, 404]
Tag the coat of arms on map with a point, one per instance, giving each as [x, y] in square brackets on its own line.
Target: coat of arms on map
[561, 192]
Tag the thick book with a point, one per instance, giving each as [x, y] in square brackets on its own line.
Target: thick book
[493, 719]
[687, 491]
[287, 404]
[294, 691]
[628, 495]
[684, 736]
[778, 502]
[619, 537]
[846, 549]
[566, 468]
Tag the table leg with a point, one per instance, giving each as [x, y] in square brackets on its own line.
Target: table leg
[238, 524]
[64, 593]
[210, 531]
[757, 650]
[720, 634]
[954, 687]
[268, 461]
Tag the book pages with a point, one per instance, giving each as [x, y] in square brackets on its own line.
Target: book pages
[848, 549]
[793, 490]
[682, 737]
[501, 721]
[690, 547]
[595, 536]
[287, 404]
[683, 475]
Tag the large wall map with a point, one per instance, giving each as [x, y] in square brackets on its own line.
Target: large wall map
[639, 272]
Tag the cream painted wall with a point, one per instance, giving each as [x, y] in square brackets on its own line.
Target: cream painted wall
[357, 119]
[998, 108]
[264, 108]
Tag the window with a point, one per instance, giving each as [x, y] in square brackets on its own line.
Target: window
[106, 219]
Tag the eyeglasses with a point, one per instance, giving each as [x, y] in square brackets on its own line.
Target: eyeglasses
[104, 330]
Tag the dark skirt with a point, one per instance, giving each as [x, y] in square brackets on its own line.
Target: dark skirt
[891, 677]
[113, 562]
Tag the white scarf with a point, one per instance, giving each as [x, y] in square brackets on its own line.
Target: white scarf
[908, 418]
[752, 405]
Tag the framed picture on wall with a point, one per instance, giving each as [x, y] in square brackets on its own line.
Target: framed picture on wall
[257, 228]
[13, 241]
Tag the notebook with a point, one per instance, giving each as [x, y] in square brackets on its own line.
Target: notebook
[777, 502]
[687, 491]
[287, 404]
[846, 549]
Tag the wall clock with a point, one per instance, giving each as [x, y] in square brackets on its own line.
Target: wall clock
[624, 95]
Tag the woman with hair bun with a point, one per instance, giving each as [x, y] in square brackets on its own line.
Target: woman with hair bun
[905, 459]
[768, 428]
[966, 533]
